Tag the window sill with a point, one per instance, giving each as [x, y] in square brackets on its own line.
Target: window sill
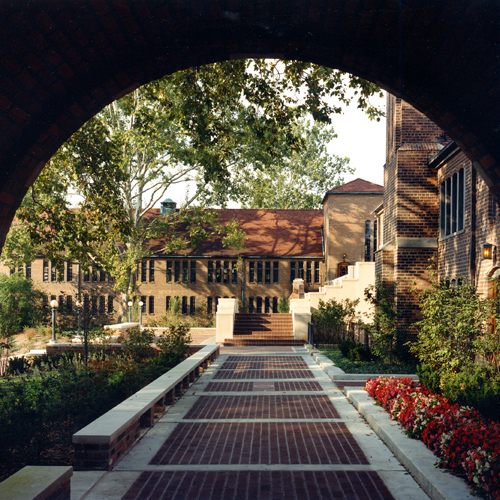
[452, 235]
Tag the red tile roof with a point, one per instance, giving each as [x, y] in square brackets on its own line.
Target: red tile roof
[358, 186]
[270, 233]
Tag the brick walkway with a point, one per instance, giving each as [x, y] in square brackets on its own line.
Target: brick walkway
[282, 430]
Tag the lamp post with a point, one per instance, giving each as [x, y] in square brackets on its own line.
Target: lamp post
[130, 304]
[54, 305]
[141, 303]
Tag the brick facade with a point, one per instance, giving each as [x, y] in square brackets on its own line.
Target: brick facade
[281, 245]
[419, 169]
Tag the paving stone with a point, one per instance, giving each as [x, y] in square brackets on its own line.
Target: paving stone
[261, 485]
[260, 443]
[263, 365]
[276, 359]
[262, 374]
[263, 407]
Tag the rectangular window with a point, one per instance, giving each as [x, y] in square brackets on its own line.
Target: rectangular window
[45, 270]
[28, 271]
[94, 305]
[110, 278]
[69, 303]
[308, 271]
[368, 239]
[250, 305]
[210, 271]
[226, 271]
[111, 306]
[193, 271]
[86, 275]
[293, 271]
[301, 271]
[209, 305]
[144, 271]
[69, 271]
[20, 270]
[151, 305]
[218, 272]
[276, 275]
[251, 272]
[192, 305]
[86, 304]
[151, 271]
[216, 303]
[169, 271]
[94, 274]
[316, 272]
[259, 271]
[53, 272]
[184, 305]
[102, 304]
[452, 205]
[167, 303]
[61, 301]
[267, 305]
[12, 270]
[102, 276]
[234, 272]
[185, 271]
[177, 271]
[258, 309]
[375, 243]
[275, 305]
[267, 273]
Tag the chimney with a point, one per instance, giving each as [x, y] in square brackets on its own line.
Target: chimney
[167, 207]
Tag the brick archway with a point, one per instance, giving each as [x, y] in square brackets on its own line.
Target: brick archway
[63, 61]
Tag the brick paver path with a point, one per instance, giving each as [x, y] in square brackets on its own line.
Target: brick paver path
[260, 424]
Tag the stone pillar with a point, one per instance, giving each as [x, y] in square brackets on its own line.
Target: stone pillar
[225, 317]
[298, 289]
[301, 314]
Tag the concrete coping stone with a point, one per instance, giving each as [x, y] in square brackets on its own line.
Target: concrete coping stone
[439, 484]
[35, 482]
[107, 427]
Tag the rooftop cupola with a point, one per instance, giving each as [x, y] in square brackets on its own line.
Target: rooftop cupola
[167, 206]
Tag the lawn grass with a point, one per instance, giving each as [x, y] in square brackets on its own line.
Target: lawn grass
[366, 366]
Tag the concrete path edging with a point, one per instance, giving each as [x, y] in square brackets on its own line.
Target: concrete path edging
[439, 484]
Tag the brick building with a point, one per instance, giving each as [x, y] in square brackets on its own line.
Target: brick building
[281, 245]
[436, 209]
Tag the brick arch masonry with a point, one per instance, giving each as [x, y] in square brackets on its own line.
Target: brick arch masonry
[63, 61]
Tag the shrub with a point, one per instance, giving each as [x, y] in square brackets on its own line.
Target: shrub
[284, 306]
[137, 344]
[387, 341]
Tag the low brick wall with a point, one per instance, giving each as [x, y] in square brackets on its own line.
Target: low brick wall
[38, 483]
[99, 445]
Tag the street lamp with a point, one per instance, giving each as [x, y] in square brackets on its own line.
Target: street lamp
[141, 303]
[54, 305]
[130, 304]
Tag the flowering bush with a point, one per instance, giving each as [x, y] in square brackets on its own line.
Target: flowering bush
[465, 442]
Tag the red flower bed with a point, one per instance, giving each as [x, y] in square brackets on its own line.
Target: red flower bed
[465, 442]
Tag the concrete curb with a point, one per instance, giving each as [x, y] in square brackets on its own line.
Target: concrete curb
[439, 484]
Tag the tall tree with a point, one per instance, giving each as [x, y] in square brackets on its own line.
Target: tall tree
[214, 126]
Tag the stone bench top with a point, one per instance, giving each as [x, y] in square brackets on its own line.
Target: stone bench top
[110, 425]
[32, 482]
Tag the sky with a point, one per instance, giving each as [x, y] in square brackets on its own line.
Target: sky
[360, 139]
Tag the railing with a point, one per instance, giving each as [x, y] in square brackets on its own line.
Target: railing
[325, 337]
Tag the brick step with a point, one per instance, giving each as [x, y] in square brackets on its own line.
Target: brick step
[262, 342]
[262, 328]
[264, 334]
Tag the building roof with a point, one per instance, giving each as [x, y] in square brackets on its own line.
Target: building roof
[357, 186]
[270, 233]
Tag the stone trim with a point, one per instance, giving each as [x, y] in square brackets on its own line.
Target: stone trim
[416, 242]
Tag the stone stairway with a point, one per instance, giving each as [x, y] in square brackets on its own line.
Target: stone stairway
[263, 330]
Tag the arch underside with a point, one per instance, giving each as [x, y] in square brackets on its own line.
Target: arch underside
[62, 62]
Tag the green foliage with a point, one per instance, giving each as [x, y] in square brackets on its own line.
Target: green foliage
[457, 346]
[243, 306]
[18, 366]
[137, 344]
[284, 305]
[387, 342]
[21, 304]
[456, 327]
[373, 366]
[175, 342]
[333, 314]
